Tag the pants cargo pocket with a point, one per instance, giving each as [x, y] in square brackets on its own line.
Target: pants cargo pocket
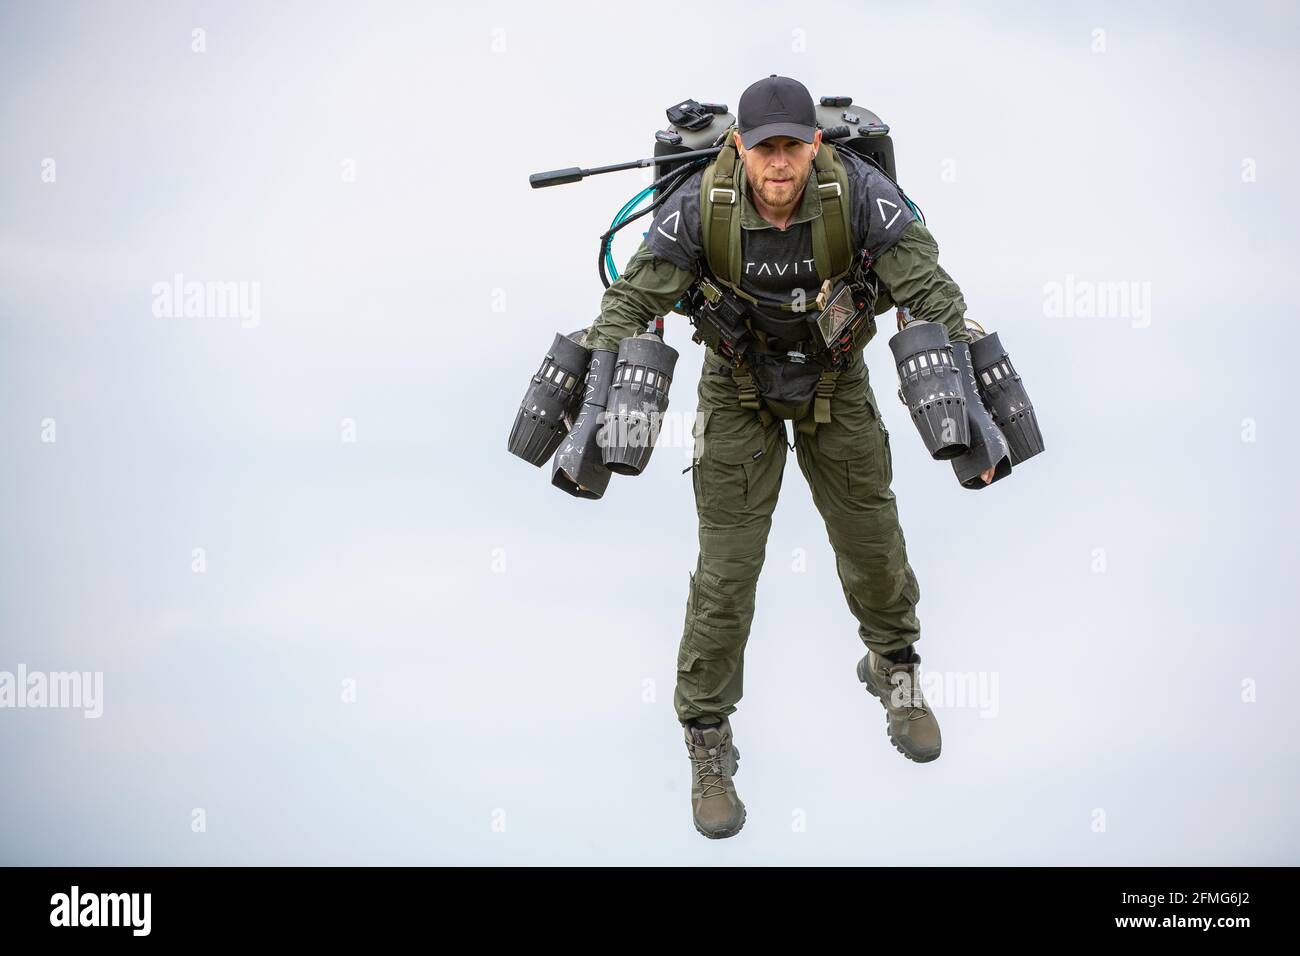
[702, 681]
[709, 656]
[853, 449]
[728, 441]
[723, 611]
[887, 455]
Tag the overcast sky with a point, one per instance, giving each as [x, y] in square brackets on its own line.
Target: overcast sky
[337, 622]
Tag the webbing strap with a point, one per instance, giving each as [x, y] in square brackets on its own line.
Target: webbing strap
[744, 380]
[745, 386]
[821, 403]
[832, 241]
[720, 200]
[825, 389]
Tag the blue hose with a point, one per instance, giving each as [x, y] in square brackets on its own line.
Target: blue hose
[629, 207]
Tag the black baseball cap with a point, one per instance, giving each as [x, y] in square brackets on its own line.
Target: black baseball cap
[776, 106]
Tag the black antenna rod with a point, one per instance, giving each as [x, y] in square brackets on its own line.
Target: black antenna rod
[558, 177]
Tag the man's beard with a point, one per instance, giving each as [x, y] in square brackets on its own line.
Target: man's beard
[783, 196]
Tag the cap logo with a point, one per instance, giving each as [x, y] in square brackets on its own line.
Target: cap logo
[774, 104]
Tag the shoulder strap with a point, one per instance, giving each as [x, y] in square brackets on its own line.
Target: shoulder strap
[720, 216]
[832, 238]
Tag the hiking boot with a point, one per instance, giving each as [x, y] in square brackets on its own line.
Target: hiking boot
[911, 725]
[715, 805]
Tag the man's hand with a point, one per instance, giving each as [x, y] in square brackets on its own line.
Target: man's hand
[988, 475]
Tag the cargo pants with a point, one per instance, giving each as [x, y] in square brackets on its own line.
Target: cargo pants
[737, 477]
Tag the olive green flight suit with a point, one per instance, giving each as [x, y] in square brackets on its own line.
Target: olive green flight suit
[738, 471]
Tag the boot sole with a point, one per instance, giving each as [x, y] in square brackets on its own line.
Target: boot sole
[723, 834]
[893, 738]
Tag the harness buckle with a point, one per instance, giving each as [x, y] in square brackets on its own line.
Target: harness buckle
[713, 194]
[823, 294]
[794, 356]
[710, 292]
[831, 185]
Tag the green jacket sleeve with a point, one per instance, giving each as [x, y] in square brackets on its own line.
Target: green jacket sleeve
[648, 288]
[910, 270]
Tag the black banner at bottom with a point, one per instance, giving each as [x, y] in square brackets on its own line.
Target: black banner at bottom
[205, 905]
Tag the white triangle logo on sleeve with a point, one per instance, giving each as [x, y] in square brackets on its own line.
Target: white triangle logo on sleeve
[674, 217]
[881, 204]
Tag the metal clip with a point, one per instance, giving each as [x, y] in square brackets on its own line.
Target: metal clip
[796, 357]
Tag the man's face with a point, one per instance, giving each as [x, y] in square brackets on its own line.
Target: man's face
[779, 167]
